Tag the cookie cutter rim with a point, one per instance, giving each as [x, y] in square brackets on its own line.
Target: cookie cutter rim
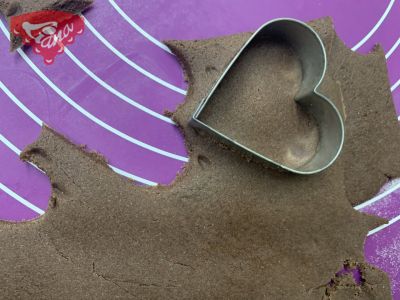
[329, 120]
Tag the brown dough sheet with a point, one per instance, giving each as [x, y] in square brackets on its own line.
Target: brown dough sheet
[226, 229]
[358, 84]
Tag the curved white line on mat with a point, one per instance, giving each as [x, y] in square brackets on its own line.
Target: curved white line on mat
[376, 27]
[21, 200]
[377, 229]
[26, 110]
[375, 199]
[40, 123]
[114, 91]
[17, 151]
[391, 51]
[133, 64]
[395, 86]
[14, 149]
[378, 197]
[133, 177]
[88, 114]
[138, 28]
[9, 145]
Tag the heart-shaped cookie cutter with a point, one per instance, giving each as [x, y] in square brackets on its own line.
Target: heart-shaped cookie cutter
[311, 51]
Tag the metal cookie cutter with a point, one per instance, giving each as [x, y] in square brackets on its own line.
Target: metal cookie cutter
[311, 51]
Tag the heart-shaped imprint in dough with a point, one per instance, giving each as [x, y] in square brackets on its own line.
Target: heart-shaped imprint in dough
[313, 132]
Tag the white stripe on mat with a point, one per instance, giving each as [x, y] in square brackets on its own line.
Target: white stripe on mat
[26, 110]
[9, 145]
[375, 28]
[138, 28]
[395, 86]
[88, 114]
[377, 229]
[375, 199]
[21, 200]
[14, 149]
[34, 117]
[391, 51]
[133, 177]
[133, 64]
[114, 91]
[378, 197]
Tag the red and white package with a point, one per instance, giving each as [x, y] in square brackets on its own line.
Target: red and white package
[48, 32]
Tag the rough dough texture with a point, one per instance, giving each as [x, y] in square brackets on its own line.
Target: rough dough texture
[345, 286]
[358, 84]
[250, 115]
[226, 229]
[11, 8]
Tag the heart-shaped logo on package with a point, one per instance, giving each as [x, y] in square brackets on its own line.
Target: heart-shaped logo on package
[310, 50]
[47, 32]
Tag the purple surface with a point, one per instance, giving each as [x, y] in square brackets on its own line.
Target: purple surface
[116, 79]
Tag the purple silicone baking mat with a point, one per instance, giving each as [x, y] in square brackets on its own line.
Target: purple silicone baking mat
[110, 88]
